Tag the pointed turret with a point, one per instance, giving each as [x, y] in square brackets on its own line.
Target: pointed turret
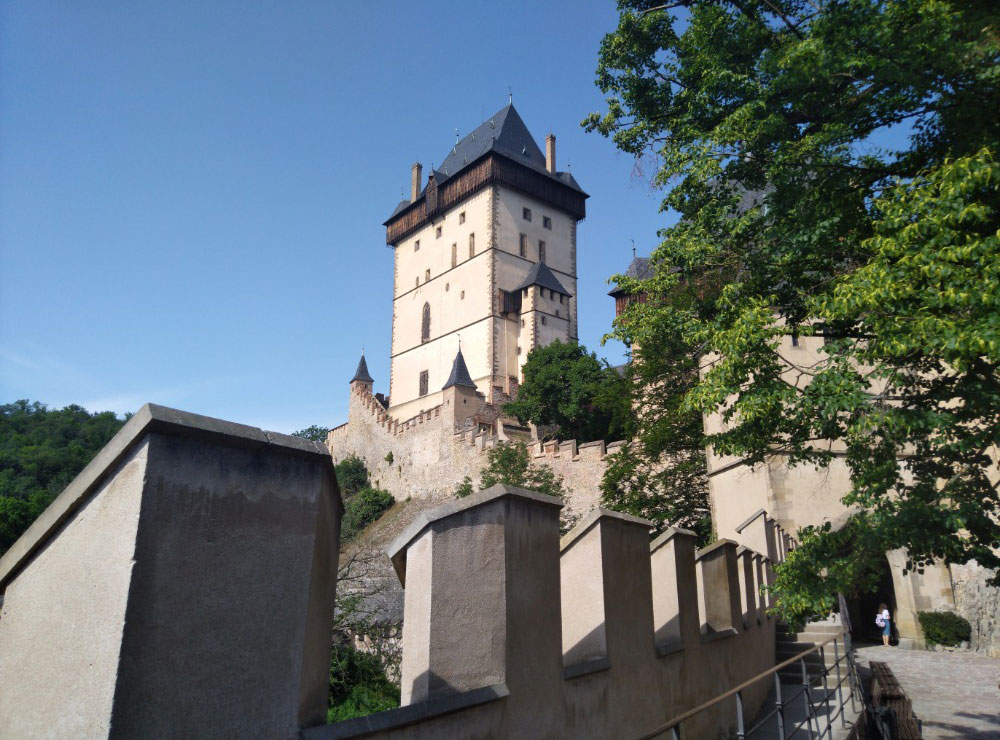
[459, 374]
[362, 372]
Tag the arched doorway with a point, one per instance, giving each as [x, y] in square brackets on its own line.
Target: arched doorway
[862, 607]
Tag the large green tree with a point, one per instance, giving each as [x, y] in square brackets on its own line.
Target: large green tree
[570, 389]
[833, 164]
[41, 451]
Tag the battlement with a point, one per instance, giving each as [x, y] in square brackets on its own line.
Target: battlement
[510, 631]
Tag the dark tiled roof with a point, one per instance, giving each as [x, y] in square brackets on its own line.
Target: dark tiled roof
[459, 374]
[542, 276]
[403, 205]
[503, 133]
[362, 372]
[640, 269]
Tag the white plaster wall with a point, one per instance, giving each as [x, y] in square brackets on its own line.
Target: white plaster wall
[62, 620]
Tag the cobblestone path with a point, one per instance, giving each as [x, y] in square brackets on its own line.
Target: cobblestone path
[955, 695]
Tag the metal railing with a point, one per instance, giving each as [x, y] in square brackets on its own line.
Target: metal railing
[811, 720]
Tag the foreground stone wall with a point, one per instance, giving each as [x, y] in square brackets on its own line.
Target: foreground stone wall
[980, 604]
[181, 586]
[429, 459]
[510, 632]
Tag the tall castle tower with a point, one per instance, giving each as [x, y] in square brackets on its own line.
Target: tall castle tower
[485, 260]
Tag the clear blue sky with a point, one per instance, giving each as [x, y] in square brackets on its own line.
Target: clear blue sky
[192, 193]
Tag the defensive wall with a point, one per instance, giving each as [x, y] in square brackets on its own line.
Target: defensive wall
[430, 457]
[183, 586]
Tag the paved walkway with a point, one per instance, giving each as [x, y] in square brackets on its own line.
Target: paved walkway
[955, 695]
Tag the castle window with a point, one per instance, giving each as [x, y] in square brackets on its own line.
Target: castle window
[526, 214]
[525, 292]
[423, 383]
[557, 313]
[547, 222]
[446, 286]
[462, 296]
[519, 350]
[562, 298]
[461, 217]
[541, 251]
[472, 245]
[454, 254]
[795, 339]
[425, 323]
[427, 275]
[416, 246]
[418, 281]
[437, 233]
[524, 245]
[522, 323]
[543, 321]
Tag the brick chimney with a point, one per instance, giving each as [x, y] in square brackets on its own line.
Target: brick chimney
[415, 181]
[550, 153]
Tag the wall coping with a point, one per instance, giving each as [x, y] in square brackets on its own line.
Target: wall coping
[668, 535]
[594, 516]
[749, 520]
[397, 550]
[150, 418]
[718, 544]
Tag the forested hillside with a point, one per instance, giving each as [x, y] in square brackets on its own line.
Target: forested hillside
[41, 451]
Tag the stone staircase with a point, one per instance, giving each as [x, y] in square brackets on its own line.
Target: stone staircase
[789, 644]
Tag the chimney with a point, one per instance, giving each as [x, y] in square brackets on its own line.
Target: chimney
[415, 181]
[550, 153]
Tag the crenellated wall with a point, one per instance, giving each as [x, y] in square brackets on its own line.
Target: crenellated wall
[510, 632]
[430, 458]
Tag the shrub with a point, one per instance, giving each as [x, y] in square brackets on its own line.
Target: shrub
[388, 457]
[944, 628]
[362, 509]
[352, 475]
[358, 685]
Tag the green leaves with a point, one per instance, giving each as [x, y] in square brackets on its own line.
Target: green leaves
[766, 119]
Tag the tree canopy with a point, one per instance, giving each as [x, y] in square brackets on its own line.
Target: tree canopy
[314, 432]
[833, 164]
[568, 388]
[41, 451]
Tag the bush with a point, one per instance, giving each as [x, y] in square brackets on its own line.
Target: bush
[358, 685]
[362, 509]
[944, 628]
[352, 475]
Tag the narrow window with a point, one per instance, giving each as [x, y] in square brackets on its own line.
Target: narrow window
[423, 383]
[541, 251]
[557, 313]
[543, 321]
[522, 323]
[462, 296]
[461, 217]
[454, 254]
[472, 245]
[425, 323]
[427, 275]
[526, 213]
[418, 281]
[446, 286]
[416, 246]
[795, 339]
[524, 245]
[547, 222]
[437, 233]
[519, 350]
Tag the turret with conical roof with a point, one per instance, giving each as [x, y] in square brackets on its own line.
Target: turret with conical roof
[459, 373]
[361, 375]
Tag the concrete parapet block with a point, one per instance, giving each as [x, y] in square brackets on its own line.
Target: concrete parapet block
[746, 570]
[607, 615]
[481, 606]
[719, 589]
[181, 586]
[675, 590]
[568, 448]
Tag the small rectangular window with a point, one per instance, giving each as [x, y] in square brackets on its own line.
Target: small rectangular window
[454, 254]
[547, 222]
[416, 246]
[541, 251]
[557, 313]
[427, 275]
[461, 217]
[543, 321]
[524, 245]
[418, 281]
[423, 383]
[472, 244]
[437, 233]
[526, 213]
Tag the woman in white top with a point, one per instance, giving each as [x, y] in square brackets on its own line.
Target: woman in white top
[882, 620]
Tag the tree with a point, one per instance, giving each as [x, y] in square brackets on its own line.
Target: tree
[567, 387]
[315, 433]
[510, 464]
[765, 119]
[352, 475]
[41, 451]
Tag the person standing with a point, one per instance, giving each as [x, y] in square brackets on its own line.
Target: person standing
[882, 620]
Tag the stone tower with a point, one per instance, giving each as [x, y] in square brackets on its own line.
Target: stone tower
[485, 254]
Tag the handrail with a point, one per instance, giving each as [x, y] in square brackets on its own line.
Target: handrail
[711, 702]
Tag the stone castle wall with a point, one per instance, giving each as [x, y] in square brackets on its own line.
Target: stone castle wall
[978, 603]
[430, 459]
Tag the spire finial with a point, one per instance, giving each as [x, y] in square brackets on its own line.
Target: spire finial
[459, 342]
[510, 96]
[633, 248]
